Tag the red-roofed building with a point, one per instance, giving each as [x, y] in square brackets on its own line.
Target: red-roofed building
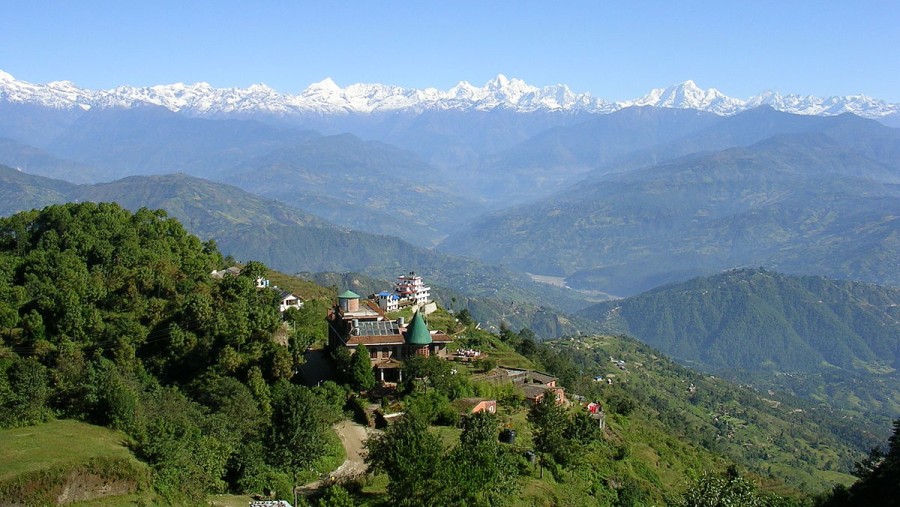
[352, 323]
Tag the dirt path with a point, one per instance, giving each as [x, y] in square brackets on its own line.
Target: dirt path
[353, 437]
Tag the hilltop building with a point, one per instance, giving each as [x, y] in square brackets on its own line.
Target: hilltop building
[353, 322]
[411, 288]
[288, 299]
[409, 291]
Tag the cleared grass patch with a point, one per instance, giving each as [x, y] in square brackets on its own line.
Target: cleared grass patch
[69, 462]
[55, 443]
[230, 500]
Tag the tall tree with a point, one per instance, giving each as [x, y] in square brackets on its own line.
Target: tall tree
[549, 424]
[362, 378]
[297, 428]
[479, 471]
[411, 456]
[880, 486]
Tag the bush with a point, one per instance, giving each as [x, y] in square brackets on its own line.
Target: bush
[358, 406]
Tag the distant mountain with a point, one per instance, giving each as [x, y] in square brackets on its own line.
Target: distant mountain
[641, 136]
[205, 208]
[367, 186]
[820, 338]
[153, 140]
[38, 162]
[391, 191]
[327, 98]
[864, 136]
[558, 157]
[20, 191]
[811, 203]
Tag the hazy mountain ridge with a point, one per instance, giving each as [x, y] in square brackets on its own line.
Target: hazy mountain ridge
[806, 203]
[390, 190]
[20, 191]
[326, 97]
[644, 136]
[153, 140]
[367, 186]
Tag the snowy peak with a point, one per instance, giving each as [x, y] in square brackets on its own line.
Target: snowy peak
[688, 95]
[327, 97]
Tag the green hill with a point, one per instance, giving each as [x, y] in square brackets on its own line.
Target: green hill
[113, 318]
[667, 425]
[20, 191]
[829, 340]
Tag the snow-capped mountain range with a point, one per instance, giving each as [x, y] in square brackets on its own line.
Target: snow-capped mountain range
[327, 98]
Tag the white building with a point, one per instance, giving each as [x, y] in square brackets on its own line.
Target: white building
[287, 299]
[411, 288]
[388, 301]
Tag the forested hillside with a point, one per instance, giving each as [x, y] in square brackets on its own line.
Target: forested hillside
[773, 434]
[828, 340]
[753, 319]
[113, 318]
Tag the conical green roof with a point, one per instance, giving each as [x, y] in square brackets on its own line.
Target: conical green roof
[417, 333]
[348, 294]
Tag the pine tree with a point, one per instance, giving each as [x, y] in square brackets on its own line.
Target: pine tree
[361, 376]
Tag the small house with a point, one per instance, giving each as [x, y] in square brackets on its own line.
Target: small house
[466, 406]
[288, 299]
[536, 392]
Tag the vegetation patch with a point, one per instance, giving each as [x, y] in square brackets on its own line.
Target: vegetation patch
[66, 484]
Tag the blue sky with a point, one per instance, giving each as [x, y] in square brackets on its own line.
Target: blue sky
[615, 50]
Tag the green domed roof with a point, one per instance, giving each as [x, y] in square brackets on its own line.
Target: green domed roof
[417, 333]
[348, 294]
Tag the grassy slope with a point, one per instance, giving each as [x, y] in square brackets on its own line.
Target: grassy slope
[65, 443]
[39, 458]
[62, 442]
[301, 287]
